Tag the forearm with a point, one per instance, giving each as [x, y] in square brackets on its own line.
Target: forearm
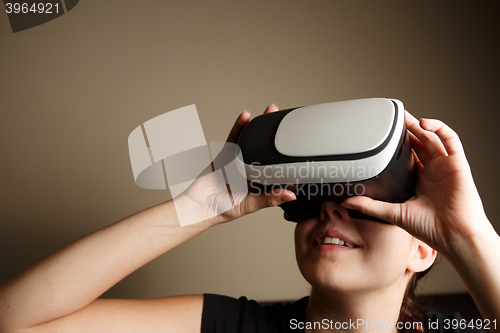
[477, 263]
[77, 274]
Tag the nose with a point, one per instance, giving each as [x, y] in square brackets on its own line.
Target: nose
[333, 211]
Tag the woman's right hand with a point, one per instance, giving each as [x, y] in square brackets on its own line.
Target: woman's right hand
[207, 198]
[61, 292]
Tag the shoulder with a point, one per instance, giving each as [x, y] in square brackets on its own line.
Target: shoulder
[445, 323]
[226, 314]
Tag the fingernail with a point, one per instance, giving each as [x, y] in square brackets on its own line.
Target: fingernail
[345, 205]
[276, 105]
[287, 197]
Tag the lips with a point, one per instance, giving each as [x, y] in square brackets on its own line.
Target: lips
[329, 237]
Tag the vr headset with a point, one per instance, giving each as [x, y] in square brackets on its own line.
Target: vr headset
[330, 152]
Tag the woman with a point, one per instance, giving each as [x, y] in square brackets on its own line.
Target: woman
[366, 281]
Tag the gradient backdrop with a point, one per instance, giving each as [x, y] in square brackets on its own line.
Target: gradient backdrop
[72, 90]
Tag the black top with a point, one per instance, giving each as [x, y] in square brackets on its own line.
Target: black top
[222, 314]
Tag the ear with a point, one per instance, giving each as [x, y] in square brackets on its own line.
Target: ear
[422, 258]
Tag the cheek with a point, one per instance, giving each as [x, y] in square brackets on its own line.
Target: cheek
[389, 249]
[302, 230]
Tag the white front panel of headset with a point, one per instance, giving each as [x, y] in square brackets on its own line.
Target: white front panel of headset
[337, 128]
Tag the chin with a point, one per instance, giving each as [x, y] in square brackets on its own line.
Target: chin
[337, 277]
[332, 277]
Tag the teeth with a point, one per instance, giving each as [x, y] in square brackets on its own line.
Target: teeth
[334, 241]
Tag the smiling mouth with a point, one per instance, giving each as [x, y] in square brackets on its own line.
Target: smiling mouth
[334, 241]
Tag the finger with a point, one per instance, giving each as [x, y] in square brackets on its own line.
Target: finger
[255, 202]
[430, 140]
[449, 137]
[241, 121]
[386, 211]
[272, 108]
[419, 149]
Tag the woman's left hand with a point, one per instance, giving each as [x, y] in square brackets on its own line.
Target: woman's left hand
[446, 209]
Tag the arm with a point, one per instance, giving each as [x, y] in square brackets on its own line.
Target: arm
[61, 290]
[447, 213]
[59, 293]
[479, 268]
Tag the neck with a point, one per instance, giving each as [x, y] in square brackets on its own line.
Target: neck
[335, 311]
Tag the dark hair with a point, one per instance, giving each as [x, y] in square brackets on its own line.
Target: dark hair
[411, 310]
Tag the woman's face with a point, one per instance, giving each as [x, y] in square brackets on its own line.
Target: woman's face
[376, 256]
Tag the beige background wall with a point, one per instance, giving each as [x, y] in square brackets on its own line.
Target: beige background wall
[73, 89]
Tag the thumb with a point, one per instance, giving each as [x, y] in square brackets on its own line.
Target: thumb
[254, 202]
[390, 212]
